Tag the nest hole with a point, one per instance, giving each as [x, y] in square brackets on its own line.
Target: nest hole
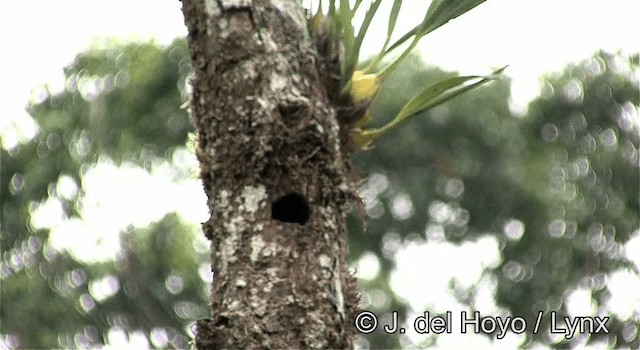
[292, 113]
[291, 208]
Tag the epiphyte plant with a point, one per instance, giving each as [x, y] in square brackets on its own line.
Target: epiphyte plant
[339, 43]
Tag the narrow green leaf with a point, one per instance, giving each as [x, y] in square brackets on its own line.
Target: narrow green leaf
[357, 4]
[432, 96]
[458, 91]
[439, 13]
[367, 21]
[344, 19]
[404, 38]
[352, 55]
[315, 22]
[348, 40]
[395, 9]
[442, 11]
[418, 103]
[420, 31]
[393, 17]
[333, 26]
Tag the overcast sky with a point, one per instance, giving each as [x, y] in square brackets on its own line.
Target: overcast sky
[39, 37]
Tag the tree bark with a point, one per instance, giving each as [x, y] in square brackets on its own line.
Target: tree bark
[274, 169]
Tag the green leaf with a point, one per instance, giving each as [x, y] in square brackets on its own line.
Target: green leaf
[353, 52]
[420, 32]
[430, 97]
[356, 5]
[333, 25]
[439, 13]
[345, 15]
[315, 22]
[367, 21]
[393, 17]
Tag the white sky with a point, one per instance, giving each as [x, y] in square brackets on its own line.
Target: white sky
[39, 37]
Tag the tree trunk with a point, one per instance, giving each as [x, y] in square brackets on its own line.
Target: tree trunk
[273, 167]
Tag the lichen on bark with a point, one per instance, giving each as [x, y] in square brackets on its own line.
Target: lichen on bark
[267, 128]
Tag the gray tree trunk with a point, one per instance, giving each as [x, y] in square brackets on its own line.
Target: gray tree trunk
[274, 167]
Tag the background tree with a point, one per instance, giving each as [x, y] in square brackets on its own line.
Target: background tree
[121, 105]
[477, 170]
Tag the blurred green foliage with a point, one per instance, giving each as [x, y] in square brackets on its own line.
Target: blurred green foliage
[121, 103]
[557, 187]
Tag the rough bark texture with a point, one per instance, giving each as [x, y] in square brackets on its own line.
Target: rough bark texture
[272, 164]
